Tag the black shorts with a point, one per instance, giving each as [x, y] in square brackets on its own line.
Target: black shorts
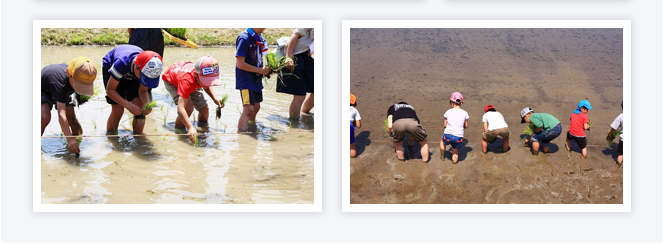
[250, 96]
[621, 148]
[46, 99]
[300, 81]
[582, 141]
[128, 89]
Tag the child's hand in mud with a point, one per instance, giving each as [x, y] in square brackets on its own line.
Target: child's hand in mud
[192, 135]
[73, 145]
[135, 110]
[526, 141]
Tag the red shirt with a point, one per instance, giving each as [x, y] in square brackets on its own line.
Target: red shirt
[578, 121]
[183, 76]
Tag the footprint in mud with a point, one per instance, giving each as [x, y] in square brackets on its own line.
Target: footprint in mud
[393, 161]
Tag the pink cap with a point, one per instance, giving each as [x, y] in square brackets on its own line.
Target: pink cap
[207, 69]
[456, 97]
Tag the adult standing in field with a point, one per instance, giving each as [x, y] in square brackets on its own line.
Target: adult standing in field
[147, 39]
[402, 120]
[128, 72]
[185, 81]
[546, 128]
[300, 79]
[58, 83]
[249, 71]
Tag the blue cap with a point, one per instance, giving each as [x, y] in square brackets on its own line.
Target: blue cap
[583, 103]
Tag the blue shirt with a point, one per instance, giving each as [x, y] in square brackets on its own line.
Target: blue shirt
[247, 48]
[119, 62]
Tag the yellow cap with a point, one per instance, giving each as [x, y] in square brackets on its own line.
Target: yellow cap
[83, 72]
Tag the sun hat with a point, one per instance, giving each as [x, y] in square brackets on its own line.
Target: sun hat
[353, 99]
[83, 72]
[456, 97]
[150, 65]
[485, 110]
[207, 69]
[583, 103]
[524, 112]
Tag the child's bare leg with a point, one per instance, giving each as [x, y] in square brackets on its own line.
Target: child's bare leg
[399, 150]
[505, 145]
[74, 125]
[256, 109]
[113, 123]
[179, 123]
[203, 114]
[45, 117]
[442, 149]
[454, 155]
[353, 150]
[568, 145]
[535, 148]
[247, 114]
[424, 151]
[546, 148]
[296, 105]
[308, 103]
[484, 146]
[620, 159]
[584, 152]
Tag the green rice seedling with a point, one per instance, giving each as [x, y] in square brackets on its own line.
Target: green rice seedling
[224, 98]
[94, 122]
[177, 32]
[195, 140]
[150, 105]
[277, 65]
[529, 130]
[614, 135]
[385, 127]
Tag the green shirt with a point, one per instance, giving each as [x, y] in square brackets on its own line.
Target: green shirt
[546, 121]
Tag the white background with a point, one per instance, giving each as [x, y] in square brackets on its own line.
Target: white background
[20, 224]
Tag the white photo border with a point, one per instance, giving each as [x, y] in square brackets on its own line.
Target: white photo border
[37, 206]
[348, 24]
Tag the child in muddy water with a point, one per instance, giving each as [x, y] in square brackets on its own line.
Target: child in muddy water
[355, 122]
[455, 122]
[58, 83]
[546, 128]
[129, 73]
[493, 126]
[185, 81]
[618, 125]
[249, 70]
[402, 120]
[579, 123]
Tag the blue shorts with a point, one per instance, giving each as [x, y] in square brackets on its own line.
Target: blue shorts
[545, 136]
[352, 133]
[250, 96]
[454, 141]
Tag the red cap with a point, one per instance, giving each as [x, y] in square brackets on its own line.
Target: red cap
[150, 65]
[488, 107]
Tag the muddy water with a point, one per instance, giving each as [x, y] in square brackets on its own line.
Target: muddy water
[550, 70]
[228, 168]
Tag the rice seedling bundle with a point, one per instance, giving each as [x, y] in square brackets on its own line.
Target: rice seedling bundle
[614, 135]
[385, 127]
[81, 99]
[224, 98]
[177, 32]
[529, 130]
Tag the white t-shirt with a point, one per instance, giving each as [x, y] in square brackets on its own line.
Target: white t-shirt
[455, 121]
[618, 124]
[304, 41]
[354, 114]
[495, 120]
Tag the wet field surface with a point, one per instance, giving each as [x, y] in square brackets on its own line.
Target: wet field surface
[273, 166]
[549, 70]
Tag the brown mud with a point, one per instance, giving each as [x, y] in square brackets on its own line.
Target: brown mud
[550, 70]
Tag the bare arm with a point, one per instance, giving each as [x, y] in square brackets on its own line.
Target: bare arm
[586, 126]
[182, 115]
[144, 96]
[485, 126]
[211, 94]
[445, 122]
[291, 49]
[389, 123]
[358, 123]
[243, 65]
[467, 123]
[64, 125]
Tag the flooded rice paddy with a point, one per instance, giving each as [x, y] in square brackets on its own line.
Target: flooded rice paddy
[275, 166]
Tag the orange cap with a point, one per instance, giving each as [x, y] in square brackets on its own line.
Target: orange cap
[353, 99]
[83, 72]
